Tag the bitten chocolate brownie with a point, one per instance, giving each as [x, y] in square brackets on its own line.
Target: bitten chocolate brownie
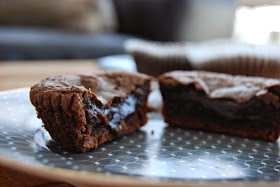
[236, 105]
[84, 111]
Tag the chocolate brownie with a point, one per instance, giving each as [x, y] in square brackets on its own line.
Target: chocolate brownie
[236, 105]
[84, 111]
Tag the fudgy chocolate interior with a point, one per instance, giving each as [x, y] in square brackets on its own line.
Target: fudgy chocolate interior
[101, 116]
[184, 104]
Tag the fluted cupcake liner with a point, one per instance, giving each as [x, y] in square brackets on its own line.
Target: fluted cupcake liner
[155, 58]
[235, 58]
[224, 56]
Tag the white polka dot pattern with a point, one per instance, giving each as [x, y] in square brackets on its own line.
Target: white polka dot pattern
[170, 153]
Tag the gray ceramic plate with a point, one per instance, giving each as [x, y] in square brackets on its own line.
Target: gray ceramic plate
[156, 155]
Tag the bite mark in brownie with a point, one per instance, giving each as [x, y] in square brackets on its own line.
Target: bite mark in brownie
[84, 111]
[236, 105]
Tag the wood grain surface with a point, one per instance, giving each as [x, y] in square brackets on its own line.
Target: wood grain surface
[25, 74]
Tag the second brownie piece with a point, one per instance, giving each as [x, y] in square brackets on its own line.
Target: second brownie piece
[236, 105]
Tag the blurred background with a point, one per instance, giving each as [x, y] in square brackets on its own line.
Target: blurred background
[86, 29]
[40, 38]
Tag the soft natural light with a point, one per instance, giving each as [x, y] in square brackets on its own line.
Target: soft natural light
[257, 25]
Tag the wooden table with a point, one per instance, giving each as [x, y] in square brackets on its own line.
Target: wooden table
[25, 74]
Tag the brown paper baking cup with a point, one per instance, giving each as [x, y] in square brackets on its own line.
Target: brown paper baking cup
[235, 58]
[155, 58]
[248, 66]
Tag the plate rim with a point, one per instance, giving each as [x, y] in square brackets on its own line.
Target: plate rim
[100, 179]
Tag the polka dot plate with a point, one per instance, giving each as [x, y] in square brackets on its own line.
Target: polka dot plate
[157, 155]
